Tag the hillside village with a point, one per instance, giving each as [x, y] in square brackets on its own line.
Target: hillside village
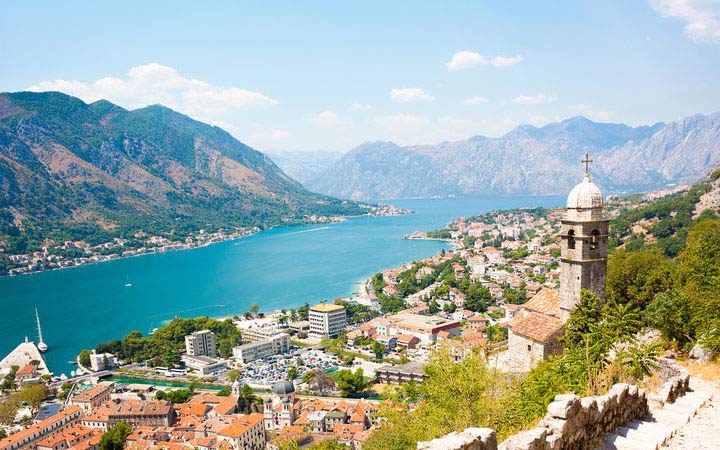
[318, 374]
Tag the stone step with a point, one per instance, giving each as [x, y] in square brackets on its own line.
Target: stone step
[616, 442]
[661, 432]
[670, 417]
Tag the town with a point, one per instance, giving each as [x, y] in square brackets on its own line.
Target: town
[58, 255]
[314, 373]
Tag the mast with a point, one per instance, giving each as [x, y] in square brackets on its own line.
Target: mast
[42, 346]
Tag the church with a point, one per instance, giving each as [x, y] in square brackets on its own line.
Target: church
[535, 330]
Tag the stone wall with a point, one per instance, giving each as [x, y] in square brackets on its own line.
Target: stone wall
[574, 423]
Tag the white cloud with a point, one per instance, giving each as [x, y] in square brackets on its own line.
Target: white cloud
[325, 119]
[465, 60]
[506, 61]
[154, 83]
[477, 100]
[701, 17]
[360, 107]
[534, 99]
[407, 95]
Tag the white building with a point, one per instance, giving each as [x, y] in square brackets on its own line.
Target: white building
[102, 361]
[278, 343]
[327, 320]
[201, 343]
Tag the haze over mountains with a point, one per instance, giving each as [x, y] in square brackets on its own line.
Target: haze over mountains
[530, 161]
[85, 167]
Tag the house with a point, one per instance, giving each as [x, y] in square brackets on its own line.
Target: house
[245, 433]
[26, 373]
[92, 398]
[407, 341]
[532, 337]
[28, 438]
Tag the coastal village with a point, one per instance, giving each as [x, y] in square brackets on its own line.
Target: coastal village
[59, 255]
[319, 373]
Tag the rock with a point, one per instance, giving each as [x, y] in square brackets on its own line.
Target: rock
[701, 354]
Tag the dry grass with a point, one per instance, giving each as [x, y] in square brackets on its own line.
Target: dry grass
[705, 371]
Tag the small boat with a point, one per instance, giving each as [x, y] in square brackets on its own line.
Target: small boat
[73, 362]
[128, 284]
[42, 346]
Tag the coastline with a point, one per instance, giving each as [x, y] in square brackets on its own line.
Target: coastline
[173, 247]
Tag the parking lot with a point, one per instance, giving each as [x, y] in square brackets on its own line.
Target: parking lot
[269, 370]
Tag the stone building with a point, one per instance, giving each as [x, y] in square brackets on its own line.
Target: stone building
[584, 246]
[535, 328]
[280, 410]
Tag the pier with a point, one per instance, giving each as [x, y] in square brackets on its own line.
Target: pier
[23, 354]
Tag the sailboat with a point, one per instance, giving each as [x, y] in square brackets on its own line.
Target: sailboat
[42, 346]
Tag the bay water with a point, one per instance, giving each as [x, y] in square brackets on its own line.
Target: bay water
[277, 269]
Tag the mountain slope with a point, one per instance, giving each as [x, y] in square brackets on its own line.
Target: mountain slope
[79, 170]
[530, 160]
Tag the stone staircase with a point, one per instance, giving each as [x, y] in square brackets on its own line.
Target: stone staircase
[664, 421]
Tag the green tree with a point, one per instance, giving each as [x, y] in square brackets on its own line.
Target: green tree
[115, 438]
[583, 316]
[84, 358]
[671, 314]
[379, 349]
[246, 400]
[637, 277]
[477, 297]
[351, 384]
[233, 375]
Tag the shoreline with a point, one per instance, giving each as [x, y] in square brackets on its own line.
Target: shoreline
[250, 233]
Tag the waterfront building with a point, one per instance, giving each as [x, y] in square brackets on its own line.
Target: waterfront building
[92, 398]
[25, 374]
[204, 364]
[275, 344]
[102, 361]
[327, 321]
[201, 343]
[28, 438]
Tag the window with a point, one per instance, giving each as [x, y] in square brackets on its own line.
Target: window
[571, 239]
[529, 347]
[594, 239]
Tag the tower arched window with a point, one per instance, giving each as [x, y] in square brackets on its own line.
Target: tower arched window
[571, 239]
[594, 238]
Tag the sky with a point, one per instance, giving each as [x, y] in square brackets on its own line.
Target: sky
[330, 75]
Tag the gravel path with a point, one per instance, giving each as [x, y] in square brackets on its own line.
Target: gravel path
[703, 430]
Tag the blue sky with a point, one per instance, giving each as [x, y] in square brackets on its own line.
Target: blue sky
[331, 75]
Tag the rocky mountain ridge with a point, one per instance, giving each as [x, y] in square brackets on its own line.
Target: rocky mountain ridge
[530, 161]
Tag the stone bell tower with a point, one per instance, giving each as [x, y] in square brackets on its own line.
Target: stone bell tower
[584, 246]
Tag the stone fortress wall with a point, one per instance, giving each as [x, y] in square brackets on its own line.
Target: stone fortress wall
[572, 422]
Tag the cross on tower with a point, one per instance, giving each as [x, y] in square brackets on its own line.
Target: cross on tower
[587, 162]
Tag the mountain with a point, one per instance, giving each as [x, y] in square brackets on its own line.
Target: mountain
[73, 170]
[304, 166]
[530, 161]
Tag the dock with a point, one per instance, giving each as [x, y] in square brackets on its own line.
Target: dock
[24, 353]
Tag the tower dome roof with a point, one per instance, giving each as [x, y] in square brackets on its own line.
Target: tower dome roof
[585, 195]
[283, 387]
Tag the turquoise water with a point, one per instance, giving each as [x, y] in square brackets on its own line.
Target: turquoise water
[280, 268]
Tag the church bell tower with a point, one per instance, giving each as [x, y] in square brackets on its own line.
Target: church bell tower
[584, 245]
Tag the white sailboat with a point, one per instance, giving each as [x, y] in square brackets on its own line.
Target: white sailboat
[42, 346]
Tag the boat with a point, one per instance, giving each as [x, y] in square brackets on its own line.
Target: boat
[128, 284]
[73, 362]
[42, 346]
